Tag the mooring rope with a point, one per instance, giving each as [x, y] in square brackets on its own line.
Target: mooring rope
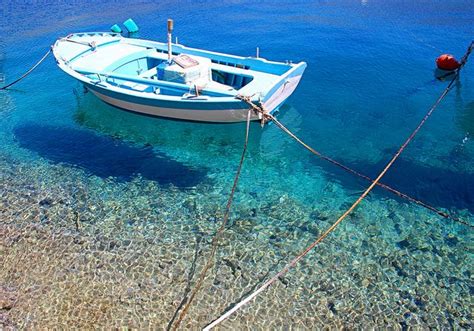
[220, 231]
[90, 44]
[382, 185]
[295, 260]
[261, 110]
[28, 72]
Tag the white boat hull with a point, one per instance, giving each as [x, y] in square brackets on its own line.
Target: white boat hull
[134, 75]
[217, 116]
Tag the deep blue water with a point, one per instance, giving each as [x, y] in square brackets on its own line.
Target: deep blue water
[370, 80]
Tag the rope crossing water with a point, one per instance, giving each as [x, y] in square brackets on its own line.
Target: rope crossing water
[270, 117]
[90, 44]
[220, 231]
[295, 260]
[292, 263]
[28, 72]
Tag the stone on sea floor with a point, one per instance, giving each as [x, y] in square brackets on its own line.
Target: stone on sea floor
[451, 240]
[46, 202]
[414, 243]
[8, 297]
[233, 265]
[190, 204]
[403, 243]
[5, 323]
[311, 228]
[365, 282]
[319, 215]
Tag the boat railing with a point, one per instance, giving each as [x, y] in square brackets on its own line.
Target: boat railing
[88, 50]
[104, 76]
[233, 61]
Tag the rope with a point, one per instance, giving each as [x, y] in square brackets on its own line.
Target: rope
[219, 232]
[388, 188]
[28, 72]
[293, 262]
[91, 45]
[342, 166]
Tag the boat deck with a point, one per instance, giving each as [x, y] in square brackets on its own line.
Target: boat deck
[101, 59]
[112, 50]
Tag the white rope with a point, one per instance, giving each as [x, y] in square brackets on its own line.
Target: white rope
[28, 72]
[301, 255]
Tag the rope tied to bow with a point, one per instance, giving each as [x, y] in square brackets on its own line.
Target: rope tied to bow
[309, 248]
[269, 117]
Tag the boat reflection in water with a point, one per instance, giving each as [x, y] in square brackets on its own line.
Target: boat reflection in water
[198, 143]
[159, 132]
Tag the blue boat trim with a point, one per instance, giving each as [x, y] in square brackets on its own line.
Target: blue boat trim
[182, 104]
[137, 75]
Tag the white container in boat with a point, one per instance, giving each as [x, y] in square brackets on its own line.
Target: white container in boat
[197, 73]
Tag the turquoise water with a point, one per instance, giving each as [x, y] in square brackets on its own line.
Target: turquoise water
[107, 216]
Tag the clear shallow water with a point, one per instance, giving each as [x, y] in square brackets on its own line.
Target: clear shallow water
[106, 214]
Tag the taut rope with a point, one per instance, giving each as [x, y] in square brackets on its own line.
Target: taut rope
[295, 260]
[28, 72]
[91, 45]
[268, 116]
[220, 231]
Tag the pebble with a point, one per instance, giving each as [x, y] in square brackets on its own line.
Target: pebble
[364, 269]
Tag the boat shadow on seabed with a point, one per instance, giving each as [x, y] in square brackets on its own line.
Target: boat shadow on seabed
[100, 150]
[201, 139]
[104, 156]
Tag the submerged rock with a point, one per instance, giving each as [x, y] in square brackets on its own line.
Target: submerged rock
[403, 243]
[451, 240]
[8, 297]
[46, 202]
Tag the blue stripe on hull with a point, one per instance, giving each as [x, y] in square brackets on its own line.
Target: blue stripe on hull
[203, 105]
[226, 115]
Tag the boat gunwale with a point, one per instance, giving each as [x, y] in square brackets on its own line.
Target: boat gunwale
[65, 66]
[143, 42]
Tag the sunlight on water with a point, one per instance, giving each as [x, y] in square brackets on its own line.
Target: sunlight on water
[107, 216]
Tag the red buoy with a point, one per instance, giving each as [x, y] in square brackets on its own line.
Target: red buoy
[447, 62]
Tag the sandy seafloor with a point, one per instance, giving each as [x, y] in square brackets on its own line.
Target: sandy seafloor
[106, 217]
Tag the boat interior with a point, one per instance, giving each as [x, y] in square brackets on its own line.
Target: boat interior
[143, 66]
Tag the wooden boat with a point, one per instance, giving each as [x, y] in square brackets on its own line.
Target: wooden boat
[172, 80]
